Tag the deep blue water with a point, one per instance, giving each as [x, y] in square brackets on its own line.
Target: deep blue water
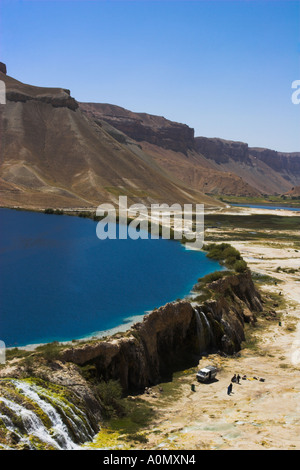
[59, 282]
[268, 207]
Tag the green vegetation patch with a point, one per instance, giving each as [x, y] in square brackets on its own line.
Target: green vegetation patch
[51, 351]
[137, 417]
[265, 279]
[125, 418]
[226, 255]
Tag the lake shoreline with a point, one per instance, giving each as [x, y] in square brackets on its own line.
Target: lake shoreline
[126, 322]
[209, 418]
[129, 321]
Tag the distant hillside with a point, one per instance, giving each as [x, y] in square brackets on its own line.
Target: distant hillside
[56, 152]
[268, 171]
[54, 155]
[294, 192]
[211, 165]
[173, 147]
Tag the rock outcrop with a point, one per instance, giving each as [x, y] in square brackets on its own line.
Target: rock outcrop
[143, 127]
[279, 161]
[61, 99]
[221, 151]
[174, 336]
[265, 170]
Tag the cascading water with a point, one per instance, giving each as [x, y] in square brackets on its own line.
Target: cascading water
[200, 331]
[26, 423]
[203, 324]
[31, 422]
[211, 335]
[43, 399]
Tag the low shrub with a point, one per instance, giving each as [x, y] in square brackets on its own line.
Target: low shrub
[240, 266]
[110, 394]
[226, 255]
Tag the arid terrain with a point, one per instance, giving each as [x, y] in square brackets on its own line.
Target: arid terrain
[58, 153]
[258, 414]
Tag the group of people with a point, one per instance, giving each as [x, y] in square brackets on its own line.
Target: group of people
[235, 379]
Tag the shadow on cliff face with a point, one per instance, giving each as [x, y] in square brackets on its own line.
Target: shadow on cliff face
[174, 337]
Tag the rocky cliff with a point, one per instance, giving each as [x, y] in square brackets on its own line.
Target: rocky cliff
[211, 165]
[46, 392]
[279, 161]
[174, 336]
[54, 155]
[143, 127]
[265, 170]
[59, 99]
[221, 151]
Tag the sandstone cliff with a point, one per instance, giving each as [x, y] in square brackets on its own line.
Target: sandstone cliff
[174, 336]
[172, 146]
[265, 170]
[283, 163]
[143, 127]
[221, 151]
[211, 165]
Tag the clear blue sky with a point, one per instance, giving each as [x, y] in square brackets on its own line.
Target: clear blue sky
[224, 68]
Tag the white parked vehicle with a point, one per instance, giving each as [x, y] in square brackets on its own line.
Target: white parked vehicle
[207, 374]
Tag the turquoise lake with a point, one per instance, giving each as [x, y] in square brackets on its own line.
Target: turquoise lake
[59, 282]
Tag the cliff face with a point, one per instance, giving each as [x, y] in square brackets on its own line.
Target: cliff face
[265, 170]
[221, 151]
[211, 165]
[61, 99]
[174, 336]
[279, 161]
[143, 127]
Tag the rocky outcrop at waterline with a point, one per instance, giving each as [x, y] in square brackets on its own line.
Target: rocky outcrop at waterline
[169, 338]
[174, 336]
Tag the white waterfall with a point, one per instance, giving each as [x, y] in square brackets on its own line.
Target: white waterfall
[204, 340]
[211, 336]
[57, 435]
[41, 395]
[7, 421]
[200, 330]
[31, 422]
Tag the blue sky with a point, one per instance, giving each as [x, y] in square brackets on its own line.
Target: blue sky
[224, 68]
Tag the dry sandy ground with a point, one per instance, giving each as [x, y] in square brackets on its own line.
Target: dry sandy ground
[258, 414]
